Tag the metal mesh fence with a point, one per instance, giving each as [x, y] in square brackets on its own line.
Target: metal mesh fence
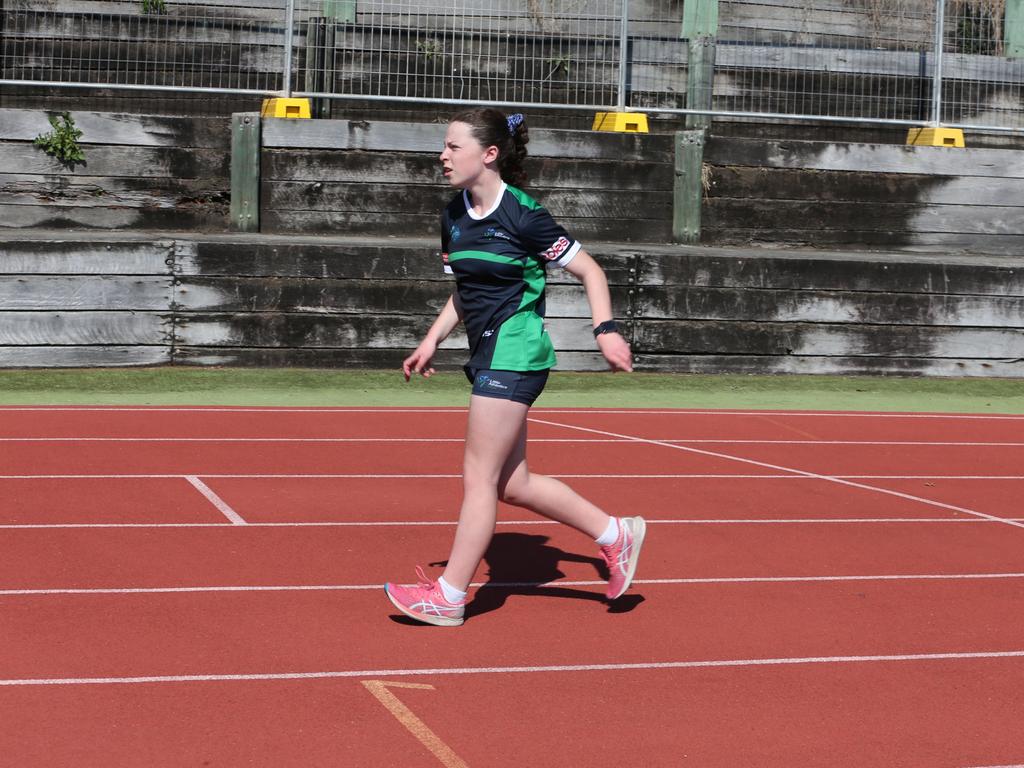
[180, 44]
[801, 58]
[563, 52]
[983, 68]
[866, 60]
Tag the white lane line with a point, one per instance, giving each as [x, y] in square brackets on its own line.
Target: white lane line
[1015, 765]
[224, 508]
[679, 440]
[509, 584]
[341, 410]
[799, 475]
[754, 462]
[450, 523]
[981, 655]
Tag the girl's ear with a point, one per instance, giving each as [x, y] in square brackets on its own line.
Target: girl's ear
[491, 154]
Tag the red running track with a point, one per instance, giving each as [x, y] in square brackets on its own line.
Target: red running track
[778, 619]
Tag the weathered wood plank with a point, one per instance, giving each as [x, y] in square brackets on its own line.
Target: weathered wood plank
[131, 8]
[345, 331]
[331, 296]
[374, 259]
[798, 184]
[66, 328]
[416, 137]
[888, 308]
[745, 338]
[82, 356]
[862, 216]
[380, 168]
[924, 242]
[411, 224]
[878, 158]
[78, 257]
[103, 292]
[444, 360]
[121, 161]
[836, 366]
[104, 192]
[135, 130]
[390, 199]
[796, 270]
[54, 217]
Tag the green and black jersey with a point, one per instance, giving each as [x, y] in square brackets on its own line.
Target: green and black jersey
[499, 260]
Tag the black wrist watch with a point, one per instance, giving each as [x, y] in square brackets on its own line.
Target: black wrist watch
[608, 326]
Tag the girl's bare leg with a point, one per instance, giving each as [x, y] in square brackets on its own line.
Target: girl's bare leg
[494, 428]
[547, 496]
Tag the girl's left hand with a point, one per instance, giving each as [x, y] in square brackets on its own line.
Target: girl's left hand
[616, 351]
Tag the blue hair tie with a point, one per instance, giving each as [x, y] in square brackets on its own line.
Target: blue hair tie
[514, 121]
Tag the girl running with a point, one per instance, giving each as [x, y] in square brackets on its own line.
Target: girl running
[498, 241]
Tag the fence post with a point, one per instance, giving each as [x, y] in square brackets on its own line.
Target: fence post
[340, 10]
[1013, 29]
[940, 34]
[688, 188]
[289, 37]
[700, 29]
[245, 171]
[620, 103]
[700, 79]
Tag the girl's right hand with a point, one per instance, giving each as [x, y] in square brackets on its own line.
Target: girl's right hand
[420, 360]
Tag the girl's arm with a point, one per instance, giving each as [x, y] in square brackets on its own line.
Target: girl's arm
[614, 348]
[420, 360]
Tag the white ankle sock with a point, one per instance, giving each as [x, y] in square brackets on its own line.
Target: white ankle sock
[451, 594]
[610, 535]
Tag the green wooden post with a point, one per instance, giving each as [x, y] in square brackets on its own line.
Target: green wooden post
[700, 79]
[245, 171]
[340, 10]
[700, 17]
[1013, 28]
[688, 189]
[700, 29]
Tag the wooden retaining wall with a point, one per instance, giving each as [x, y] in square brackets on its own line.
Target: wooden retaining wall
[351, 177]
[140, 172]
[69, 300]
[864, 195]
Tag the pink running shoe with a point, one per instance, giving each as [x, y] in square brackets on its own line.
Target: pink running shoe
[623, 555]
[425, 602]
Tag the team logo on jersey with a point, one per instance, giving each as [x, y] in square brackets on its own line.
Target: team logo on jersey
[554, 253]
[491, 233]
[455, 233]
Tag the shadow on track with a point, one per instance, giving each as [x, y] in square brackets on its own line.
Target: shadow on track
[522, 564]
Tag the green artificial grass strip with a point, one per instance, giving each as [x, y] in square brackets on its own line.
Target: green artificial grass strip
[313, 387]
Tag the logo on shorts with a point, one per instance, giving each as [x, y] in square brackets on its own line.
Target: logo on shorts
[483, 380]
[554, 253]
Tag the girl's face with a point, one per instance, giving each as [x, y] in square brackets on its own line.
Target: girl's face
[464, 159]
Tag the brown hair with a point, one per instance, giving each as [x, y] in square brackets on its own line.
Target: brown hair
[509, 134]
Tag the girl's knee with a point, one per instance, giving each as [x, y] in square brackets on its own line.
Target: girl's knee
[514, 490]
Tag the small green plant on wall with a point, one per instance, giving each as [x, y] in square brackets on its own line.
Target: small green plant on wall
[62, 142]
[430, 49]
[154, 6]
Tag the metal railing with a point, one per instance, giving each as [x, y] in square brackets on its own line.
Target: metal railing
[913, 62]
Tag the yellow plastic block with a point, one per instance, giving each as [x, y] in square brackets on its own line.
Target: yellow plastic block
[285, 108]
[622, 122]
[935, 137]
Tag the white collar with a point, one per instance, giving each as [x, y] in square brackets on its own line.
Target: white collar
[493, 208]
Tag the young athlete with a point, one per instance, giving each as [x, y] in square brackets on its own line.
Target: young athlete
[498, 241]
